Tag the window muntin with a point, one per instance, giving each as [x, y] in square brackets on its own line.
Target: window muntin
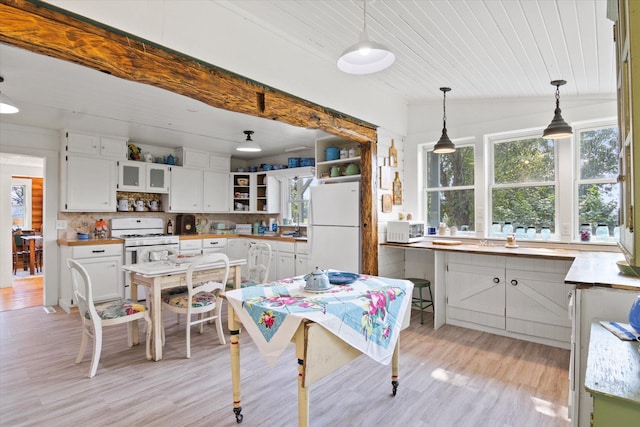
[297, 200]
[524, 187]
[450, 191]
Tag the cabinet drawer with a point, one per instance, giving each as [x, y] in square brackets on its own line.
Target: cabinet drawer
[302, 248]
[285, 246]
[214, 243]
[190, 244]
[96, 251]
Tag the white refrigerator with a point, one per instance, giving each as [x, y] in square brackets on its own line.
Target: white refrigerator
[334, 230]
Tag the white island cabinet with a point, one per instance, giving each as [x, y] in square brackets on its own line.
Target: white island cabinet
[103, 262]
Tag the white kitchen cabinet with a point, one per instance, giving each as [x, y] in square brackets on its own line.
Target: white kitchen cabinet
[216, 192]
[255, 192]
[88, 184]
[210, 246]
[143, 177]
[475, 290]
[238, 248]
[302, 258]
[185, 193]
[191, 247]
[104, 265]
[267, 193]
[285, 260]
[242, 193]
[521, 297]
[96, 145]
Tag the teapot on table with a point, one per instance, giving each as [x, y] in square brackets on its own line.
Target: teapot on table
[317, 280]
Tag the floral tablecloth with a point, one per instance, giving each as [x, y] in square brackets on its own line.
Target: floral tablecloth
[366, 314]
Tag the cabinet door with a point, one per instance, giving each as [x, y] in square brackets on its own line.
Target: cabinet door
[237, 248]
[115, 148]
[186, 190]
[286, 266]
[157, 178]
[106, 277]
[537, 304]
[90, 184]
[83, 143]
[216, 192]
[475, 292]
[131, 176]
[302, 264]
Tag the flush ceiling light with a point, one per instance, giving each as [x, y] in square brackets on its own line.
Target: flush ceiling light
[558, 127]
[7, 106]
[444, 145]
[248, 145]
[366, 56]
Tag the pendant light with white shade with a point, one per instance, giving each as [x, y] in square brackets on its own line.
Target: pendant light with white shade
[444, 144]
[366, 56]
[248, 145]
[7, 106]
[558, 128]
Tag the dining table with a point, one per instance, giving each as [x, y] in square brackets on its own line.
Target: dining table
[329, 328]
[164, 274]
[31, 241]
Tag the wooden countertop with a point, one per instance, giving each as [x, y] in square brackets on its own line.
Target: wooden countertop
[561, 254]
[246, 236]
[588, 268]
[110, 241]
[613, 366]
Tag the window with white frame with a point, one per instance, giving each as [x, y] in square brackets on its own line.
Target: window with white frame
[20, 203]
[523, 185]
[596, 180]
[297, 200]
[449, 188]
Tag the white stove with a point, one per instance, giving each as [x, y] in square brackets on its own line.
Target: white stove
[138, 234]
[142, 232]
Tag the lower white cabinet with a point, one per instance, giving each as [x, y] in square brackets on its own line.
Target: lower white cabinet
[104, 265]
[210, 246]
[522, 297]
[238, 248]
[302, 258]
[191, 247]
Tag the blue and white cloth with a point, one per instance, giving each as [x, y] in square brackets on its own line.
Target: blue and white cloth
[367, 314]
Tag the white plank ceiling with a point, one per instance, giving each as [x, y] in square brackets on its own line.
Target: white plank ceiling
[480, 48]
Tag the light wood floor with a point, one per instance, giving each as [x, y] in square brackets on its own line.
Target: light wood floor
[25, 292]
[450, 377]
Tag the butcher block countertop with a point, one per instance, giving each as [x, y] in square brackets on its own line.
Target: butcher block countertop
[246, 236]
[73, 242]
[588, 268]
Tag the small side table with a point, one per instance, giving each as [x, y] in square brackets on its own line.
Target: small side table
[613, 379]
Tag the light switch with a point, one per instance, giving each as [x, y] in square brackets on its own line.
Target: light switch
[61, 224]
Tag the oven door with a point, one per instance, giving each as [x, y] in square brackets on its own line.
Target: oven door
[131, 256]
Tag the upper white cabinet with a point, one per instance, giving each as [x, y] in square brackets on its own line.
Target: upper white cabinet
[186, 190]
[203, 160]
[88, 184]
[337, 160]
[97, 145]
[143, 177]
[215, 196]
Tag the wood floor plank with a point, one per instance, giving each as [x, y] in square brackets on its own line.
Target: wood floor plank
[450, 377]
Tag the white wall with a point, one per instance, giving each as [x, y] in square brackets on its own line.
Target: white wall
[39, 143]
[212, 33]
[477, 118]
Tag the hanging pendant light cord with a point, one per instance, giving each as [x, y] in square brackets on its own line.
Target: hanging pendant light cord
[557, 97]
[444, 110]
[364, 28]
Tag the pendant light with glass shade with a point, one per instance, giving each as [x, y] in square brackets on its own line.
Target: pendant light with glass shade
[7, 106]
[248, 145]
[558, 128]
[366, 56]
[444, 145]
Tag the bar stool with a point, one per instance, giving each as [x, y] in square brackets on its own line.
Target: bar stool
[420, 302]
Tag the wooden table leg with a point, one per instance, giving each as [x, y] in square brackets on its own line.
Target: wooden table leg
[134, 338]
[156, 320]
[394, 368]
[32, 256]
[303, 392]
[237, 280]
[234, 330]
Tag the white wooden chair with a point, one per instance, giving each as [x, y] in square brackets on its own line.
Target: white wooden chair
[95, 317]
[258, 264]
[200, 298]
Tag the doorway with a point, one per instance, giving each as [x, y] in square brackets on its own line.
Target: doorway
[22, 184]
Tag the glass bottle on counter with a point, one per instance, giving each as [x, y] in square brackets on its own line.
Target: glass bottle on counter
[520, 233]
[585, 232]
[602, 232]
[508, 228]
[169, 227]
[545, 233]
[531, 233]
[495, 229]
